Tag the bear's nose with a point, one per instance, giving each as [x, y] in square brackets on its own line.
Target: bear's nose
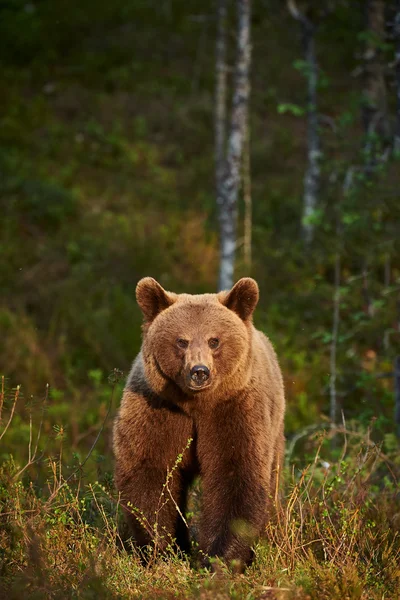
[199, 374]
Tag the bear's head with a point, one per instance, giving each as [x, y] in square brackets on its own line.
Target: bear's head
[197, 342]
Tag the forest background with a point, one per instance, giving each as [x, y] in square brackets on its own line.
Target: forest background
[108, 174]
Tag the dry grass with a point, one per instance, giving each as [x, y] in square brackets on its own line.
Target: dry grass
[335, 534]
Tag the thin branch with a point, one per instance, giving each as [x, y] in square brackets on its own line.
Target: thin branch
[44, 403]
[300, 435]
[297, 14]
[16, 395]
[32, 458]
[1, 397]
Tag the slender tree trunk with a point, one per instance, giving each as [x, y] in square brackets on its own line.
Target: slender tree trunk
[368, 304]
[397, 58]
[312, 176]
[333, 353]
[247, 197]
[387, 271]
[375, 112]
[220, 95]
[229, 188]
[333, 403]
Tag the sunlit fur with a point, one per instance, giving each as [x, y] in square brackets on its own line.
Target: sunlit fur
[235, 421]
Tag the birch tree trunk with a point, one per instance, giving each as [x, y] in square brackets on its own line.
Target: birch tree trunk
[229, 188]
[312, 176]
[397, 67]
[248, 217]
[375, 111]
[220, 95]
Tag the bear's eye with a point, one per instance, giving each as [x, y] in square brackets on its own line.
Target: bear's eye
[213, 343]
[182, 343]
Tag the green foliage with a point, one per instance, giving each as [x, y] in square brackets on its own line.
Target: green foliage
[106, 161]
[294, 109]
[334, 534]
[106, 177]
[46, 205]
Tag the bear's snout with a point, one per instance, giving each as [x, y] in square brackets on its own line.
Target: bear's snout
[199, 374]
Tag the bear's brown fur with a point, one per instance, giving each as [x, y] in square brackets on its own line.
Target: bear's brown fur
[235, 420]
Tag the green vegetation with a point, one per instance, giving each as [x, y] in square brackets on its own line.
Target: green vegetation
[335, 534]
[107, 175]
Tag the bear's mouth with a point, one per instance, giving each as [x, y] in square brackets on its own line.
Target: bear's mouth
[199, 387]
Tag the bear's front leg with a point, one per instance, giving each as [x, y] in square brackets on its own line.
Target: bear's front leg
[152, 485]
[150, 505]
[235, 461]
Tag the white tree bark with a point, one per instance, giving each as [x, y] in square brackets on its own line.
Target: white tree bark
[220, 95]
[313, 174]
[228, 193]
[248, 209]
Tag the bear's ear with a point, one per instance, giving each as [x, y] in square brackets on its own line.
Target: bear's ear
[152, 298]
[242, 298]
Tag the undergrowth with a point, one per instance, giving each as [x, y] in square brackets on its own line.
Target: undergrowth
[335, 534]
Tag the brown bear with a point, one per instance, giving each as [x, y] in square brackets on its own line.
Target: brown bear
[204, 373]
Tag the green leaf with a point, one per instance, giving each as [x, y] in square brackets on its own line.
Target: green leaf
[293, 109]
[314, 218]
